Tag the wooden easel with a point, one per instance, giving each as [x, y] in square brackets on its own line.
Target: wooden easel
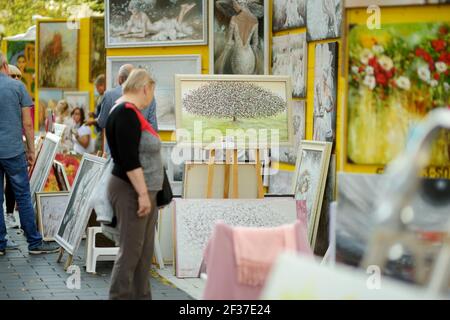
[68, 261]
[231, 166]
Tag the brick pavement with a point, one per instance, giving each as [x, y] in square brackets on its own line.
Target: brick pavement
[28, 277]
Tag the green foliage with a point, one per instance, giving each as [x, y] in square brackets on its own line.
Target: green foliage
[16, 16]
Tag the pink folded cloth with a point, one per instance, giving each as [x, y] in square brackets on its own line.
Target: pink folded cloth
[256, 249]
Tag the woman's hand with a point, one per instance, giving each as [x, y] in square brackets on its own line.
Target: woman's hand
[145, 205]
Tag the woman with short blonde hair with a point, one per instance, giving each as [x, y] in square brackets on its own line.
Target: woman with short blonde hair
[137, 176]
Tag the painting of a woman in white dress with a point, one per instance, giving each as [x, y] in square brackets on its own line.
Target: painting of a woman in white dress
[240, 43]
[155, 22]
[325, 82]
[324, 19]
[288, 14]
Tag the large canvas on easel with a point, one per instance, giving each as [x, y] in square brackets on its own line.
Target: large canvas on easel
[78, 210]
[396, 75]
[195, 220]
[255, 111]
[196, 181]
[43, 164]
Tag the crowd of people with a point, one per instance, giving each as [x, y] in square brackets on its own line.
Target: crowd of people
[125, 117]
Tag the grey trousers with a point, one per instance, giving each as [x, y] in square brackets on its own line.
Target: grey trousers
[131, 272]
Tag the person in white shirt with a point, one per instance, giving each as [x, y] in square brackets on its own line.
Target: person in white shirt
[81, 133]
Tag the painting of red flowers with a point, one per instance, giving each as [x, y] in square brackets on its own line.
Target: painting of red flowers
[58, 55]
[397, 74]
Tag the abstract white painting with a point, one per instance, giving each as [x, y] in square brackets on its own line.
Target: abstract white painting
[288, 14]
[281, 182]
[50, 210]
[324, 19]
[163, 70]
[195, 220]
[77, 212]
[325, 92]
[289, 57]
[311, 172]
[289, 154]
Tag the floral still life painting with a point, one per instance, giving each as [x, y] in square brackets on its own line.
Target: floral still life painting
[58, 53]
[397, 74]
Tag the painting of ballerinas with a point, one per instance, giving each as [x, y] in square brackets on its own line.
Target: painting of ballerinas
[288, 14]
[239, 37]
[142, 23]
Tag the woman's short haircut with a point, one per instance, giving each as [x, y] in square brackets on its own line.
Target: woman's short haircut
[137, 79]
[82, 115]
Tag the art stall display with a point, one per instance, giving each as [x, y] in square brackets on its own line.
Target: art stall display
[174, 167]
[309, 182]
[239, 37]
[323, 19]
[397, 74]
[166, 234]
[289, 57]
[78, 99]
[325, 92]
[163, 70]
[289, 154]
[280, 182]
[78, 211]
[143, 23]
[195, 182]
[47, 102]
[288, 14]
[239, 108]
[50, 210]
[22, 55]
[58, 55]
[97, 61]
[43, 164]
[296, 277]
[195, 219]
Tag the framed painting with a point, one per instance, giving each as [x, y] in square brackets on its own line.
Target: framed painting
[289, 154]
[141, 23]
[58, 55]
[97, 50]
[325, 92]
[61, 176]
[78, 209]
[163, 70]
[280, 182]
[47, 102]
[251, 111]
[194, 221]
[396, 75]
[43, 164]
[313, 160]
[239, 37]
[288, 14]
[22, 55]
[166, 233]
[78, 99]
[50, 210]
[174, 167]
[324, 19]
[289, 57]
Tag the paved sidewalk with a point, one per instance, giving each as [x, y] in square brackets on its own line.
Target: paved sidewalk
[28, 277]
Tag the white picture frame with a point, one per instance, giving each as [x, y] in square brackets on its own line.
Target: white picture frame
[78, 209]
[163, 69]
[50, 210]
[154, 43]
[311, 170]
[211, 43]
[43, 164]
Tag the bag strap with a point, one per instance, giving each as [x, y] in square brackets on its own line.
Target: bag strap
[145, 125]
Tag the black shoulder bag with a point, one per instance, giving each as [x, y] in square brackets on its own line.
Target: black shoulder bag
[164, 196]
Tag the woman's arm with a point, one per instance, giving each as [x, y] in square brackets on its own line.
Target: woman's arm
[137, 179]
